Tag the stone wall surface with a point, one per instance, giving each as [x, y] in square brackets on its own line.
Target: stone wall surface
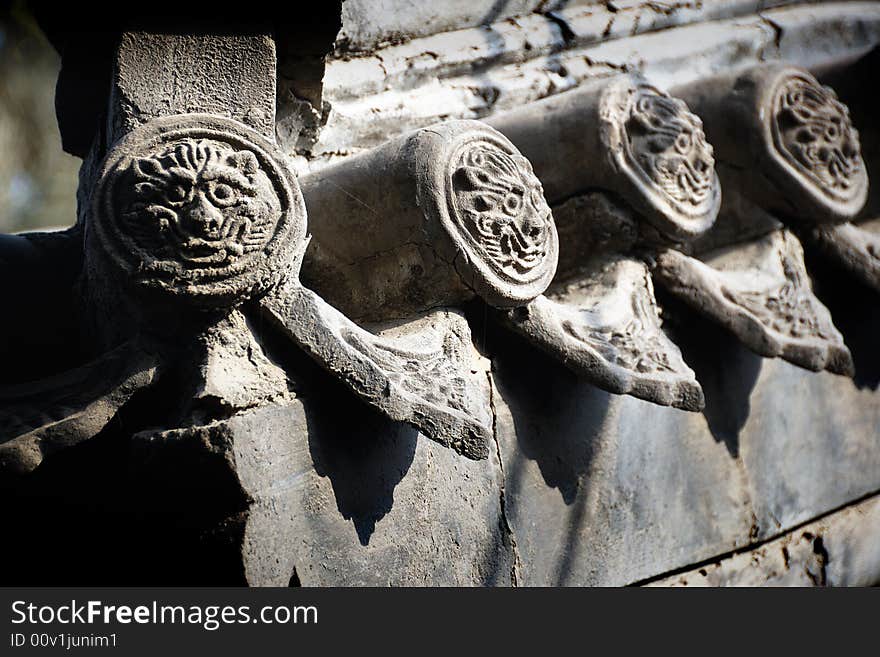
[602, 489]
[610, 490]
[838, 550]
[478, 71]
[459, 416]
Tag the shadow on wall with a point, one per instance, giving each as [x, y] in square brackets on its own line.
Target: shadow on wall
[365, 456]
[557, 420]
[856, 311]
[92, 515]
[556, 416]
[725, 368]
[623, 467]
[363, 453]
[854, 306]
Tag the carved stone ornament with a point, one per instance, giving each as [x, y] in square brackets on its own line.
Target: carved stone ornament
[423, 372]
[605, 326]
[812, 145]
[659, 151]
[429, 219]
[41, 417]
[761, 292]
[198, 207]
[203, 209]
[486, 196]
[855, 246]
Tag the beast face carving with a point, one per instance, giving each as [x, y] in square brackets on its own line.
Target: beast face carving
[668, 143]
[500, 203]
[660, 160]
[813, 131]
[199, 207]
[199, 203]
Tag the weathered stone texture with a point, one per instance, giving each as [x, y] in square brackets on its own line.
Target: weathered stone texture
[761, 291]
[336, 495]
[159, 75]
[605, 326]
[611, 490]
[42, 417]
[424, 372]
[821, 453]
[403, 87]
[856, 247]
[841, 549]
[459, 212]
[604, 489]
[271, 439]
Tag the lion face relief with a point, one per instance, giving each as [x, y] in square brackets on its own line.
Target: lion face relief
[201, 203]
[197, 207]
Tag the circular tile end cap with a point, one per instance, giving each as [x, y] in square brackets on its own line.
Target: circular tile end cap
[198, 208]
[660, 159]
